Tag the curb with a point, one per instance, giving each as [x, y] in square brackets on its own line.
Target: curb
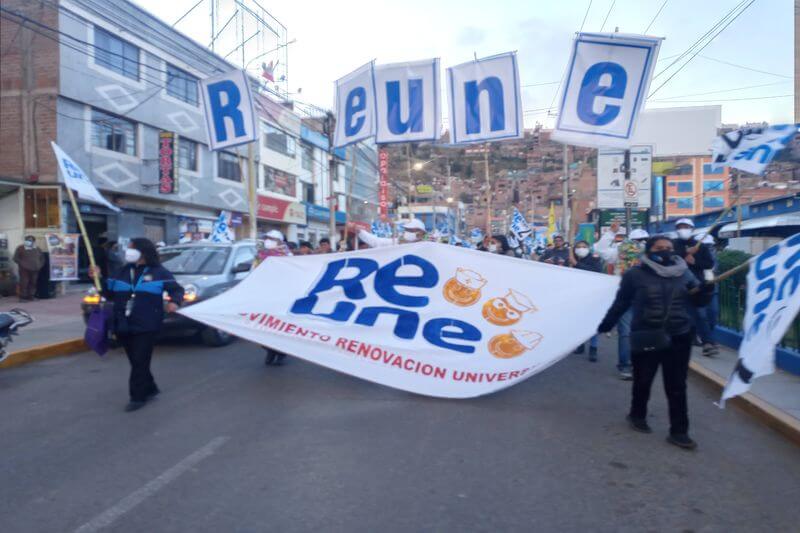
[764, 412]
[44, 351]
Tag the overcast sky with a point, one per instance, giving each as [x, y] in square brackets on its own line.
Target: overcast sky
[335, 37]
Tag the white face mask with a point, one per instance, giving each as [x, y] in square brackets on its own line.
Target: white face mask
[493, 248]
[270, 244]
[685, 233]
[409, 236]
[581, 252]
[132, 255]
[28, 244]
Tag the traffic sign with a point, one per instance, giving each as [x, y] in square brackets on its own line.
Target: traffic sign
[631, 194]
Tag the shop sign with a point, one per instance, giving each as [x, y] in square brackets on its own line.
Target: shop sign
[167, 182]
[323, 214]
[280, 210]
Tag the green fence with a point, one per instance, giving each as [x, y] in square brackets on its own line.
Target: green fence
[731, 312]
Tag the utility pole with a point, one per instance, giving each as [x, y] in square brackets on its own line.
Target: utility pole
[408, 177]
[488, 190]
[332, 166]
[627, 164]
[251, 174]
[565, 196]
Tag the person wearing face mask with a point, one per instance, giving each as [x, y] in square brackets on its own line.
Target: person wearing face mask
[582, 258]
[29, 260]
[273, 245]
[498, 244]
[699, 258]
[136, 291]
[413, 231]
[558, 254]
[658, 291]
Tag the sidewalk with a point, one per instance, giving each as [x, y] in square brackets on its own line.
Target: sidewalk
[55, 320]
[781, 389]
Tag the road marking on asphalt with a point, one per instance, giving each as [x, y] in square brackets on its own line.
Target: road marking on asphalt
[110, 515]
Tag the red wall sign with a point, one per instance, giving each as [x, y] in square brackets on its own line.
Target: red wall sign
[271, 208]
[383, 189]
[167, 184]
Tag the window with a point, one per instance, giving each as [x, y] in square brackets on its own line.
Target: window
[228, 166]
[278, 181]
[707, 169]
[115, 54]
[685, 203]
[713, 201]
[245, 254]
[308, 157]
[278, 141]
[681, 170]
[685, 186]
[181, 85]
[308, 192]
[113, 133]
[187, 154]
[41, 208]
[713, 186]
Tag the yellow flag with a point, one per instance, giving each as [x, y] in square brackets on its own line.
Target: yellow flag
[551, 224]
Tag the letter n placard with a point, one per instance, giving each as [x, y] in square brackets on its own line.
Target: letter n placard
[608, 78]
[228, 104]
[485, 102]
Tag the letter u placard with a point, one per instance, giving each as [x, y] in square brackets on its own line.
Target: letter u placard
[228, 104]
[485, 102]
[608, 78]
[407, 98]
[355, 106]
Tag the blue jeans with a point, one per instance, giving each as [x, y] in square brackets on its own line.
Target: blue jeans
[712, 313]
[699, 317]
[624, 341]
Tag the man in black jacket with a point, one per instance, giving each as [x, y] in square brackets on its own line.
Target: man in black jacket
[582, 258]
[699, 258]
[658, 291]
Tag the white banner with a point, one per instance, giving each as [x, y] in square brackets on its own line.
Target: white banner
[773, 300]
[77, 180]
[485, 100]
[611, 176]
[751, 149]
[63, 249]
[427, 318]
[355, 106]
[407, 98]
[608, 78]
[228, 104]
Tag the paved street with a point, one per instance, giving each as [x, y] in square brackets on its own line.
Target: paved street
[234, 446]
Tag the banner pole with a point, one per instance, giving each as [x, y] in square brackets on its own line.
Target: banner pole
[85, 236]
[488, 190]
[349, 202]
[252, 189]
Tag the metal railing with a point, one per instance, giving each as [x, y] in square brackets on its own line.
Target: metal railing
[731, 313]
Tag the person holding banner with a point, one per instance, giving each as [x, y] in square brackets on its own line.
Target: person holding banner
[136, 291]
[413, 231]
[658, 293]
[29, 260]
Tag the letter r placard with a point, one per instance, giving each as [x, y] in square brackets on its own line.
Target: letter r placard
[229, 113]
[608, 78]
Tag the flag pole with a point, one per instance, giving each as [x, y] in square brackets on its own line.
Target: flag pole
[349, 201]
[88, 244]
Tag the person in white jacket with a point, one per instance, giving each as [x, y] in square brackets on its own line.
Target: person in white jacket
[413, 231]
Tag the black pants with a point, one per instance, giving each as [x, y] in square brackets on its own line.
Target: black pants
[27, 283]
[674, 363]
[139, 349]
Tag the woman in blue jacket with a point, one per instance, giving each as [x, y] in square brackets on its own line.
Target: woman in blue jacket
[136, 291]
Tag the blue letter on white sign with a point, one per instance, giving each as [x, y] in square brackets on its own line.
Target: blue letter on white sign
[229, 113]
[414, 122]
[497, 114]
[591, 88]
[356, 103]
[229, 109]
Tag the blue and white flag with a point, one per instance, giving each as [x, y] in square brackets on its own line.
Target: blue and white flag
[476, 235]
[773, 300]
[608, 78]
[519, 226]
[77, 180]
[751, 149]
[222, 230]
[381, 229]
[485, 100]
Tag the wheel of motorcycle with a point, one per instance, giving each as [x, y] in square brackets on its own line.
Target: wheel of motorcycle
[215, 337]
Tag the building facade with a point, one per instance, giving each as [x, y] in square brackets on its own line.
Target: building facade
[691, 186]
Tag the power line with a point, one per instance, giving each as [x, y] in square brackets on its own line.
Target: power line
[185, 14]
[723, 90]
[701, 48]
[746, 68]
[699, 40]
[655, 16]
[725, 99]
[607, 14]
[566, 67]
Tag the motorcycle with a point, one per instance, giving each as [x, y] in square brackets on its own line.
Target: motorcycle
[10, 322]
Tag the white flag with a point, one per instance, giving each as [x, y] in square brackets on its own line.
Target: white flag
[427, 318]
[77, 180]
[751, 149]
[773, 299]
[608, 78]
